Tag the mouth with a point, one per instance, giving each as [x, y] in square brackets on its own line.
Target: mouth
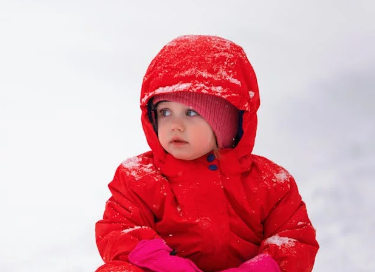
[178, 141]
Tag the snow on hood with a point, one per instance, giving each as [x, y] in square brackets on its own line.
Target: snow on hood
[204, 64]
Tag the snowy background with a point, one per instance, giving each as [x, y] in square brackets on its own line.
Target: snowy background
[70, 77]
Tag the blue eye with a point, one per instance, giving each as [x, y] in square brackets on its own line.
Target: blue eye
[165, 112]
[191, 113]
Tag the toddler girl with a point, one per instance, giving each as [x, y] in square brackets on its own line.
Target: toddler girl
[200, 200]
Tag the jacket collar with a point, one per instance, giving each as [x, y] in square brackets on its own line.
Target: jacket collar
[228, 164]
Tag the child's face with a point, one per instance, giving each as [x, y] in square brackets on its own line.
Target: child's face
[182, 132]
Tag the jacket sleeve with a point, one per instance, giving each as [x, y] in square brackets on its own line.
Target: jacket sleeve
[127, 219]
[119, 266]
[289, 236]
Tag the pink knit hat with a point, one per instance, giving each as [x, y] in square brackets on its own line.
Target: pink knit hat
[219, 113]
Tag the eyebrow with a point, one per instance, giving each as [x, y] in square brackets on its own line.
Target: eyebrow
[160, 102]
[160, 107]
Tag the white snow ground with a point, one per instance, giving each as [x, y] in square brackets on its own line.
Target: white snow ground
[70, 76]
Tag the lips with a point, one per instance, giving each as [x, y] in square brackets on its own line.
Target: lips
[177, 140]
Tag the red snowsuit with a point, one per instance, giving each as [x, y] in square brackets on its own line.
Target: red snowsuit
[218, 218]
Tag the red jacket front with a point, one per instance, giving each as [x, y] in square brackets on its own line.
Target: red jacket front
[218, 218]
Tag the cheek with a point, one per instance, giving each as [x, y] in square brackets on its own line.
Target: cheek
[204, 134]
[161, 132]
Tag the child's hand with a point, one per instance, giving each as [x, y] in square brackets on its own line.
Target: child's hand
[156, 255]
[260, 263]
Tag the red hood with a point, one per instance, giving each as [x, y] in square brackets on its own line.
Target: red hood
[203, 64]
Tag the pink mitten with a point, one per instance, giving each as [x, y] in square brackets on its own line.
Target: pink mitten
[155, 255]
[260, 263]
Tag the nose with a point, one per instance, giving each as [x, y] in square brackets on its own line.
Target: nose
[177, 124]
